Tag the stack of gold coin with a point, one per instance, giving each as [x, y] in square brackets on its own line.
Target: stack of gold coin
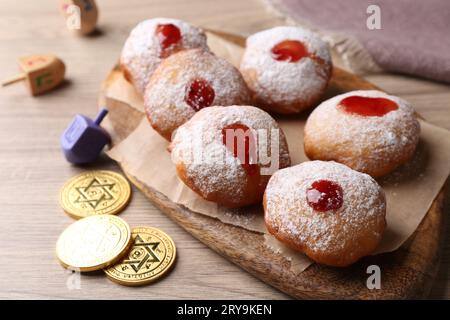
[95, 192]
[100, 240]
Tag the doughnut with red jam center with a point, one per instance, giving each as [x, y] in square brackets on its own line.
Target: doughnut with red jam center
[153, 40]
[333, 214]
[227, 154]
[187, 82]
[286, 69]
[369, 131]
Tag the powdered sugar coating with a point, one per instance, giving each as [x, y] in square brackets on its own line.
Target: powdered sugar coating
[374, 145]
[335, 237]
[211, 168]
[282, 86]
[164, 97]
[141, 52]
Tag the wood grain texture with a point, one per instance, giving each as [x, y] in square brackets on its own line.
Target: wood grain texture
[32, 168]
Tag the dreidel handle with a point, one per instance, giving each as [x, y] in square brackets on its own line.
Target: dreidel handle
[101, 115]
[19, 77]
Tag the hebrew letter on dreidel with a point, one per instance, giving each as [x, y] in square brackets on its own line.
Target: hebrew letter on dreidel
[82, 14]
[41, 73]
[43, 80]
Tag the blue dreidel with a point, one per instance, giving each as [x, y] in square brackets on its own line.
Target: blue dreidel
[84, 139]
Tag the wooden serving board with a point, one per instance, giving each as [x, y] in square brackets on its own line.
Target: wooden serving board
[406, 273]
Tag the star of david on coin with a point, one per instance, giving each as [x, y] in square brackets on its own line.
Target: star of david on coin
[95, 192]
[150, 257]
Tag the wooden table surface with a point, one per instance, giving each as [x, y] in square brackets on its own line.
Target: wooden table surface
[32, 168]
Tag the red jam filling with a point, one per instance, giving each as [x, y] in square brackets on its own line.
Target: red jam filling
[289, 50]
[324, 195]
[237, 136]
[199, 94]
[367, 106]
[168, 35]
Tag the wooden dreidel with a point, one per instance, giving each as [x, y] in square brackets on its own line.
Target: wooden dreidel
[42, 73]
[84, 139]
[81, 15]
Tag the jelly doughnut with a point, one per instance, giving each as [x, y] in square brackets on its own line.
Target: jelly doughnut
[153, 40]
[286, 68]
[227, 154]
[333, 214]
[369, 131]
[187, 82]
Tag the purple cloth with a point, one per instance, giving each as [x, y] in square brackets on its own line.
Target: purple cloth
[414, 37]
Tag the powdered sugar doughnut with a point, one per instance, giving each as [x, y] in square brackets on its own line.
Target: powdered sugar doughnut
[286, 68]
[187, 82]
[368, 131]
[333, 214]
[227, 154]
[153, 40]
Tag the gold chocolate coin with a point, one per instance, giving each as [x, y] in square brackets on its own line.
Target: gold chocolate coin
[95, 192]
[93, 243]
[150, 257]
